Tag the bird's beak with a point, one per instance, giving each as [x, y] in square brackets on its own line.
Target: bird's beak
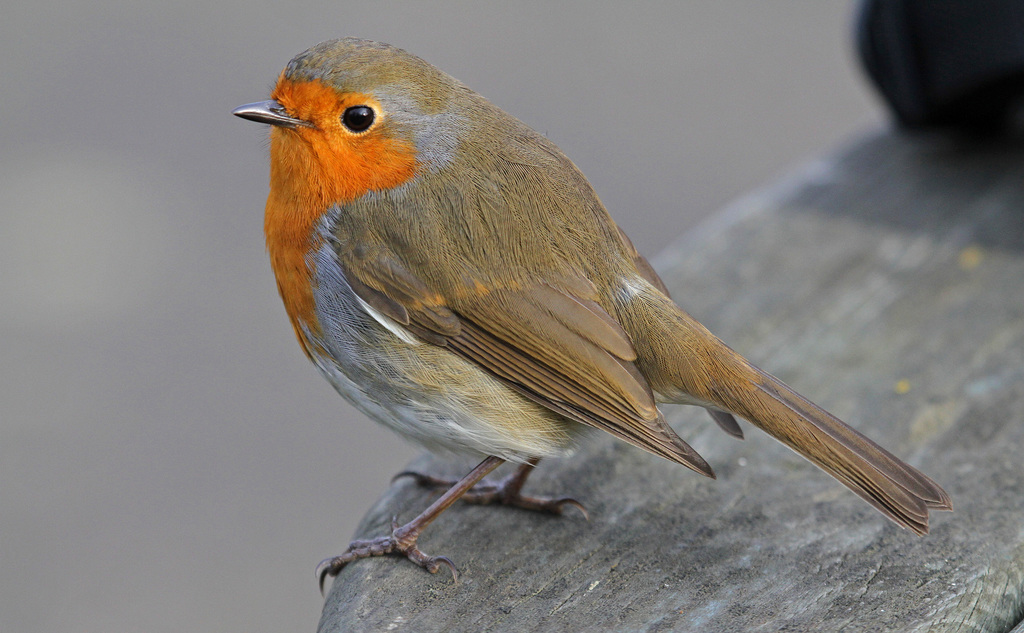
[270, 112]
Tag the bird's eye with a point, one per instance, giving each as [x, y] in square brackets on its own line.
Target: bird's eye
[358, 118]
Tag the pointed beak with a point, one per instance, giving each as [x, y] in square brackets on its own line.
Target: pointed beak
[270, 112]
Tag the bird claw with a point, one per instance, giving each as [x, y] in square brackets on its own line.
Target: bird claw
[426, 481]
[569, 501]
[433, 563]
[382, 546]
[505, 492]
[540, 504]
[328, 567]
[402, 540]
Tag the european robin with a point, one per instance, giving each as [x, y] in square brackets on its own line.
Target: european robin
[455, 277]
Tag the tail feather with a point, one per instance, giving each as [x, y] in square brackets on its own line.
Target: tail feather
[686, 363]
[896, 489]
[727, 423]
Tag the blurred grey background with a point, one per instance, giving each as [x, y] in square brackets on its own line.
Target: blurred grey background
[169, 461]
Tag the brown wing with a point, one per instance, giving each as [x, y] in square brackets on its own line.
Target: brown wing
[560, 349]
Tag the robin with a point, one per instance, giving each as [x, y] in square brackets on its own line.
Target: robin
[455, 277]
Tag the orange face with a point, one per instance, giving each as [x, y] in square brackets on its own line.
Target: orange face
[340, 164]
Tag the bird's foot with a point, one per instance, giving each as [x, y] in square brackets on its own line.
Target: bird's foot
[507, 491]
[401, 542]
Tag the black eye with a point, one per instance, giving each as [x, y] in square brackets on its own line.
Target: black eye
[358, 118]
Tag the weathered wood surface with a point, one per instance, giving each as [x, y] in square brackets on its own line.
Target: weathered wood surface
[885, 283]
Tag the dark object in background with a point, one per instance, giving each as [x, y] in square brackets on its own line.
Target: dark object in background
[947, 63]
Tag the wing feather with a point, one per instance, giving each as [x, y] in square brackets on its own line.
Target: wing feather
[559, 349]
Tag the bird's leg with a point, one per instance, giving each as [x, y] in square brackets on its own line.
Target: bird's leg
[402, 540]
[507, 491]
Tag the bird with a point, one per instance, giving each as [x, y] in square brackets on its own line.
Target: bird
[455, 277]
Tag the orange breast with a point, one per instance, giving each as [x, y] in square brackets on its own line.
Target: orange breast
[311, 170]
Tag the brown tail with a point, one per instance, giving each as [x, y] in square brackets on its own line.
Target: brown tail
[898, 490]
[686, 363]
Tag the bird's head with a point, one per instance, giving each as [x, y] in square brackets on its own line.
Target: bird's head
[352, 116]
